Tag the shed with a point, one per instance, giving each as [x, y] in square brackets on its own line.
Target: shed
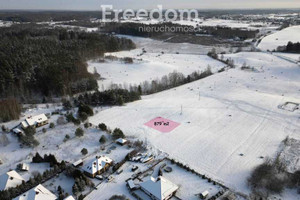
[121, 141]
[204, 194]
[78, 163]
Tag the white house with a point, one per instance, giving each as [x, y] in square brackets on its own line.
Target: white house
[37, 193]
[159, 188]
[10, 179]
[35, 121]
[97, 166]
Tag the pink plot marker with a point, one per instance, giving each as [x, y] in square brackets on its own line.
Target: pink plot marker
[161, 124]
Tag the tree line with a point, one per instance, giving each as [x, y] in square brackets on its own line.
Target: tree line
[293, 47]
[173, 79]
[108, 97]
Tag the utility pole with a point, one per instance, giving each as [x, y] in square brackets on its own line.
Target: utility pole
[181, 110]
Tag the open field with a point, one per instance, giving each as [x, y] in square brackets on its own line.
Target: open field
[153, 66]
[236, 113]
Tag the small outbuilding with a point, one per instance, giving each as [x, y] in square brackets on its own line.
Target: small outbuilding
[23, 167]
[131, 185]
[17, 131]
[204, 194]
[78, 163]
[121, 141]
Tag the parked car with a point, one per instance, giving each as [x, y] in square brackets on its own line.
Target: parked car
[134, 168]
[109, 179]
[99, 177]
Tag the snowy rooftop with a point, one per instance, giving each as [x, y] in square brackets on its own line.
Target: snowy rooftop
[97, 164]
[9, 180]
[69, 198]
[30, 121]
[121, 141]
[160, 187]
[37, 193]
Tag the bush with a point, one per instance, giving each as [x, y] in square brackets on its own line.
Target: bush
[83, 116]
[102, 139]
[3, 128]
[118, 133]
[71, 118]
[265, 178]
[83, 108]
[102, 127]
[51, 125]
[28, 138]
[44, 130]
[84, 151]
[67, 137]
[79, 132]
[67, 105]
[86, 125]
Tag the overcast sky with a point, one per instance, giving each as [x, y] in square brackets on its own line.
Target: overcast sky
[147, 4]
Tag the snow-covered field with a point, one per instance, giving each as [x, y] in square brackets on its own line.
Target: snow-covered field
[153, 66]
[160, 58]
[156, 46]
[235, 113]
[289, 56]
[200, 22]
[280, 38]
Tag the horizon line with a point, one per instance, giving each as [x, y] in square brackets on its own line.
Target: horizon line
[199, 9]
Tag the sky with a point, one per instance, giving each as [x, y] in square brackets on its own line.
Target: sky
[146, 4]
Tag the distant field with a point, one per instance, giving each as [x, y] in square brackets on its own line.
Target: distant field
[280, 38]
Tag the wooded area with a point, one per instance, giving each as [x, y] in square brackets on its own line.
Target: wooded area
[43, 61]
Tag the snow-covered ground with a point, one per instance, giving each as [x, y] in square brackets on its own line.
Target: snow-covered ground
[153, 66]
[5, 23]
[227, 23]
[156, 46]
[289, 56]
[189, 184]
[53, 142]
[280, 38]
[201, 22]
[230, 113]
